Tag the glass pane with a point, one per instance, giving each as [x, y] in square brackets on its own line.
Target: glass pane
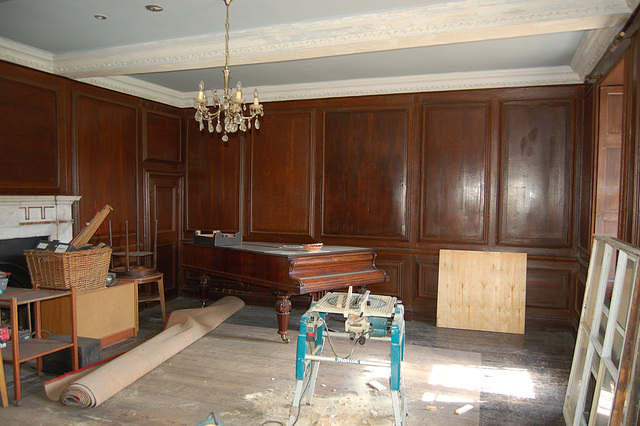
[603, 326]
[576, 371]
[605, 400]
[616, 349]
[625, 296]
[611, 278]
[592, 281]
[595, 365]
[589, 401]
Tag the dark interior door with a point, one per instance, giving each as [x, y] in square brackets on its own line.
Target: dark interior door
[165, 206]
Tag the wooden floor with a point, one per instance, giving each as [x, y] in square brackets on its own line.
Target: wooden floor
[509, 380]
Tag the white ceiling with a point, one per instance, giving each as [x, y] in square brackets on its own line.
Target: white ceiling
[300, 49]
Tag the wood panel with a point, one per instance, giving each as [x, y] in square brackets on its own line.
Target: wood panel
[482, 290]
[162, 141]
[396, 268]
[454, 177]
[536, 173]
[165, 206]
[282, 178]
[548, 288]
[106, 163]
[214, 180]
[607, 200]
[32, 132]
[585, 180]
[365, 173]
[427, 280]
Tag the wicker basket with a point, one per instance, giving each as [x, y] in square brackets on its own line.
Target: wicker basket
[85, 270]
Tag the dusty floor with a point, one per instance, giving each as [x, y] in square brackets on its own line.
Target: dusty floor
[245, 374]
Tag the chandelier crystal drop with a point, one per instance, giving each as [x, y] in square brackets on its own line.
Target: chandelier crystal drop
[228, 111]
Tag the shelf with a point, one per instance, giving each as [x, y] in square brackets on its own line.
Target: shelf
[148, 298]
[34, 348]
[132, 253]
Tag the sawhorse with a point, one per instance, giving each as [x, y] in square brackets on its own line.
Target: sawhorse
[311, 338]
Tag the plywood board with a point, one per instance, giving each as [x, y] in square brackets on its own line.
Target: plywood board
[480, 290]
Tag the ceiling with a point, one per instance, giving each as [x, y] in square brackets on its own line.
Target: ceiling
[293, 49]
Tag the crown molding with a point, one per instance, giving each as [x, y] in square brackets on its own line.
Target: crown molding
[434, 24]
[363, 87]
[21, 54]
[543, 76]
[593, 46]
[139, 88]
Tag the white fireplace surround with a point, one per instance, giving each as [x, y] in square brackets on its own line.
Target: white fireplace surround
[23, 216]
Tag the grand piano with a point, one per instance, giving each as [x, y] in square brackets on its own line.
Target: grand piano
[286, 269]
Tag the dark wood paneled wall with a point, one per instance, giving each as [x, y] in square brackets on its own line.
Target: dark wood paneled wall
[34, 132]
[505, 169]
[62, 137]
[408, 175]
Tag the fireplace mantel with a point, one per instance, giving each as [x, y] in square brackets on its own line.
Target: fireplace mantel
[23, 216]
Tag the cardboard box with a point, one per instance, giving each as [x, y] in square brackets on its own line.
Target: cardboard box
[218, 239]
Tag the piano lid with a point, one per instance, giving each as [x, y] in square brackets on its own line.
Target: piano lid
[279, 249]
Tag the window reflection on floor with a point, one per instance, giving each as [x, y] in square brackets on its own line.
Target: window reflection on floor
[505, 381]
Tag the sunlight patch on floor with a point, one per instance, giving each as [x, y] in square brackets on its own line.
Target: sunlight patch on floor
[505, 381]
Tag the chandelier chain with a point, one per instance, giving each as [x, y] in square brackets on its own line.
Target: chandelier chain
[226, 36]
[230, 108]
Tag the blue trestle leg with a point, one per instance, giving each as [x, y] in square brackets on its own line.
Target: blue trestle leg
[311, 345]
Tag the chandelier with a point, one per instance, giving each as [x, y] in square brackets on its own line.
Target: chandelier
[230, 109]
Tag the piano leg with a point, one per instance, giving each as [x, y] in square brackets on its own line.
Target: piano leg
[204, 289]
[283, 310]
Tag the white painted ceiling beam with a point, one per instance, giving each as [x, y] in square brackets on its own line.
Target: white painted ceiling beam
[405, 28]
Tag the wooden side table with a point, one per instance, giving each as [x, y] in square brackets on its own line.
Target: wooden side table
[35, 347]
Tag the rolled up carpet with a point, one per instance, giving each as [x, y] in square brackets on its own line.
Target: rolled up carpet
[183, 328]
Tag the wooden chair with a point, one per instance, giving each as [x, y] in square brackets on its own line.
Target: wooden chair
[3, 384]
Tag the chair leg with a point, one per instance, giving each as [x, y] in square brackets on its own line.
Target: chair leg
[3, 384]
[161, 294]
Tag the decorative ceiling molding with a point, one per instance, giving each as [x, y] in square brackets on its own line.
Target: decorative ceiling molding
[141, 89]
[362, 87]
[27, 56]
[429, 25]
[592, 47]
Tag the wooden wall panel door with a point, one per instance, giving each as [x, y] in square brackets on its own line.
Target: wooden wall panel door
[165, 206]
[609, 161]
[214, 180]
[364, 173]
[536, 173]
[106, 163]
[586, 176]
[32, 133]
[454, 178]
[281, 178]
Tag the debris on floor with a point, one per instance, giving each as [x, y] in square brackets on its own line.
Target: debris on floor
[464, 409]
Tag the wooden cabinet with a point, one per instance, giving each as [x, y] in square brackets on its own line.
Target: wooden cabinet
[36, 347]
[108, 314]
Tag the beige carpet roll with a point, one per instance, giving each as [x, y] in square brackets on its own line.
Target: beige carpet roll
[184, 327]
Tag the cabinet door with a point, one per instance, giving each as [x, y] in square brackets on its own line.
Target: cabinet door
[165, 206]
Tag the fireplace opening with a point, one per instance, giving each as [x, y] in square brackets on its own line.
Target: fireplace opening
[13, 260]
